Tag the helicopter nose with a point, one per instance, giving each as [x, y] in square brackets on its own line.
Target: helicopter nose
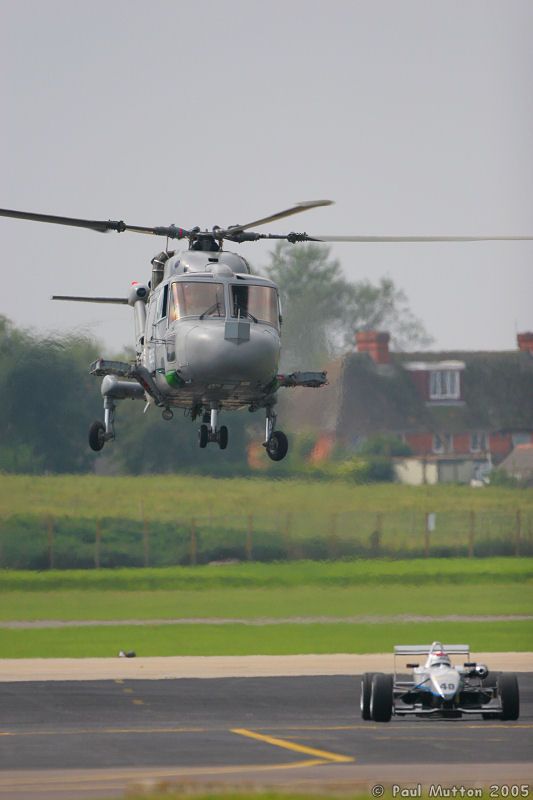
[214, 358]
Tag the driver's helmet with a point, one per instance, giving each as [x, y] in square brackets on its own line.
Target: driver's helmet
[438, 658]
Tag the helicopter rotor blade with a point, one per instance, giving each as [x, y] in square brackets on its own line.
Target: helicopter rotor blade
[117, 301]
[95, 225]
[295, 209]
[101, 226]
[380, 239]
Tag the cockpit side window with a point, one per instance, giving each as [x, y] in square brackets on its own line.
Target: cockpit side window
[163, 302]
[255, 303]
[196, 299]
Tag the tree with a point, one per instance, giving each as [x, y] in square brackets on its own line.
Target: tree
[322, 309]
[146, 444]
[46, 398]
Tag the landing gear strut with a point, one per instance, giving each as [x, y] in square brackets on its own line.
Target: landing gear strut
[276, 443]
[102, 432]
[210, 432]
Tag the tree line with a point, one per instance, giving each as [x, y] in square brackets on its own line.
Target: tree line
[48, 399]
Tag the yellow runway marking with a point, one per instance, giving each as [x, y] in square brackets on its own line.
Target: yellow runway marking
[85, 731]
[128, 691]
[317, 727]
[138, 702]
[297, 748]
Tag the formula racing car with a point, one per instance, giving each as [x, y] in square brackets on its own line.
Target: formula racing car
[438, 688]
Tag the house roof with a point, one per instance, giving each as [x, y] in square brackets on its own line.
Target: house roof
[364, 398]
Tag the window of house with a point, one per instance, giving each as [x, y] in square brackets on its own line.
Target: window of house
[478, 441]
[444, 384]
[521, 438]
[442, 443]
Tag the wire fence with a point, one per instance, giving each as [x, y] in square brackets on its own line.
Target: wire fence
[32, 542]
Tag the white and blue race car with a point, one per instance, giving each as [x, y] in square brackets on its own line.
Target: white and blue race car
[438, 688]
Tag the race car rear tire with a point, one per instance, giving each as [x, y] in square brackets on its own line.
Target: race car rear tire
[366, 693]
[509, 695]
[381, 698]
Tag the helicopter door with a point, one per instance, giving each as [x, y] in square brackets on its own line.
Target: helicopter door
[160, 329]
[149, 339]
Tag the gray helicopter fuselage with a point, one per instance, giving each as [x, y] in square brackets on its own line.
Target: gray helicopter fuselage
[211, 332]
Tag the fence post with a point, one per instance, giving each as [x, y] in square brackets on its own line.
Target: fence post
[333, 539]
[249, 538]
[426, 536]
[97, 541]
[375, 536]
[146, 543]
[287, 534]
[518, 532]
[471, 533]
[50, 532]
[193, 548]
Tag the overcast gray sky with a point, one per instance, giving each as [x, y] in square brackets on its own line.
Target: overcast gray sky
[415, 116]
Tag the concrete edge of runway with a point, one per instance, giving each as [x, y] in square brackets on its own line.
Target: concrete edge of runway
[172, 667]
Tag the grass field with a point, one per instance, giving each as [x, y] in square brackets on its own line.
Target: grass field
[339, 791]
[166, 497]
[432, 587]
[237, 640]
[82, 522]
[353, 573]
[190, 792]
[303, 601]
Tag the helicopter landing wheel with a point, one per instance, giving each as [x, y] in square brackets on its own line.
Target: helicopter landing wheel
[277, 446]
[223, 437]
[203, 435]
[97, 436]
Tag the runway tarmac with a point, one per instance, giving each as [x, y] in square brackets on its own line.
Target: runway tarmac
[75, 739]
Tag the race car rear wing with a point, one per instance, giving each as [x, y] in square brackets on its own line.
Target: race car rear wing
[423, 649]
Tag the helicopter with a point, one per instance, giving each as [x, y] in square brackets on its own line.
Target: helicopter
[207, 331]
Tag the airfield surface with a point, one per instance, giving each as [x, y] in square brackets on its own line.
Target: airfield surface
[297, 726]
[163, 667]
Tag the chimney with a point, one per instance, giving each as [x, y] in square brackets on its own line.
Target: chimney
[525, 342]
[375, 344]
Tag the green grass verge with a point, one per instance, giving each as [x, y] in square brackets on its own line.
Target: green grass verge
[295, 601]
[79, 521]
[224, 793]
[419, 572]
[208, 640]
[166, 497]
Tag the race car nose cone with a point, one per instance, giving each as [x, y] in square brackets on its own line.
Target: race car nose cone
[445, 682]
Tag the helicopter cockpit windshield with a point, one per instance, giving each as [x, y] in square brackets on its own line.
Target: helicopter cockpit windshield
[255, 302]
[196, 299]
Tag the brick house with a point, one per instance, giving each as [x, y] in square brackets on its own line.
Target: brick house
[447, 406]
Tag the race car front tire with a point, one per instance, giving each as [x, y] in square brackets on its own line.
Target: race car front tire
[509, 695]
[381, 699]
[366, 693]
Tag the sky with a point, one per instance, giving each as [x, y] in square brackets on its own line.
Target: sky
[415, 117]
